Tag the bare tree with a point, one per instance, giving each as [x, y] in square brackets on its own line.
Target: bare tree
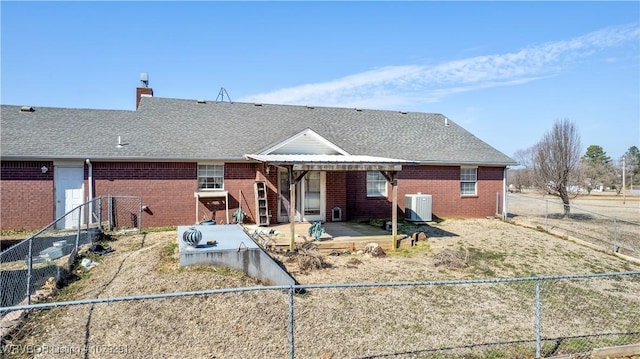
[556, 162]
[520, 177]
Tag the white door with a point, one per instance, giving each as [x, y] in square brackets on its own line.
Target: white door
[69, 184]
[310, 197]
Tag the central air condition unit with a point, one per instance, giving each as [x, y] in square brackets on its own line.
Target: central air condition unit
[417, 207]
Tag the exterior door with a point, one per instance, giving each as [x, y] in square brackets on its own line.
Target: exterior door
[69, 184]
[310, 197]
[283, 195]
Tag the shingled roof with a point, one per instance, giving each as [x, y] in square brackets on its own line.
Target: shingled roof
[188, 130]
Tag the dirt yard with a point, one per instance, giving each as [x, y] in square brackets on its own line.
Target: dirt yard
[340, 323]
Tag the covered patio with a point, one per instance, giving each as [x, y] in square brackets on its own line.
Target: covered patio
[338, 236]
[299, 164]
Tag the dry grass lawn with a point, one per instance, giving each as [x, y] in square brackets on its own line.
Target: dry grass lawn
[377, 321]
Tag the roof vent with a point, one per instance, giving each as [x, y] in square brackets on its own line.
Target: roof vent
[358, 109]
[257, 104]
[144, 79]
[26, 109]
[403, 112]
[310, 107]
[201, 101]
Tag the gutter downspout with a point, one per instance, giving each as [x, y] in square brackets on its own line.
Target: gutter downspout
[90, 180]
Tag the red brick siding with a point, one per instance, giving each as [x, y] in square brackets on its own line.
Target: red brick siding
[336, 193]
[359, 206]
[442, 182]
[167, 189]
[26, 195]
[239, 180]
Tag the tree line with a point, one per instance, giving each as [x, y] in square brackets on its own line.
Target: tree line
[556, 166]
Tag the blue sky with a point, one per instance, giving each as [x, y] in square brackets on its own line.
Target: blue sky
[503, 70]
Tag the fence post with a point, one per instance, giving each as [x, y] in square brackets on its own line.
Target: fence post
[292, 347]
[538, 320]
[100, 213]
[79, 227]
[139, 214]
[110, 212]
[546, 215]
[615, 235]
[29, 265]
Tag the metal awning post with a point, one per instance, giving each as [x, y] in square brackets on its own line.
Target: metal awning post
[293, 182]
[394, 209]
[292, 208]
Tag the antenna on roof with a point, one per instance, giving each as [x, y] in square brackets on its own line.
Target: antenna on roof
[221, 95]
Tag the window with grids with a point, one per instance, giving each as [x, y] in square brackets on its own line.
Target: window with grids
[468, 181]
[376, 184]
[210, 177]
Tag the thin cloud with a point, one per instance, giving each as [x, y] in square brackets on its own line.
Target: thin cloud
[399, 86]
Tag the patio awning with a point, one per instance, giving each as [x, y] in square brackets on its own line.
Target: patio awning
[389, 167]
[313, 162]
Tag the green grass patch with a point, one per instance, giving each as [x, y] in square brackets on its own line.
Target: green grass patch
[408, 252]
[158, 229]
[16, 232]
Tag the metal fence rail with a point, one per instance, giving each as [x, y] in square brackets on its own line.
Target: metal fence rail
[512, 317]
[620, 234]
[44, 257]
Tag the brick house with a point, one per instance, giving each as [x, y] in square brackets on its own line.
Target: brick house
[193, 159]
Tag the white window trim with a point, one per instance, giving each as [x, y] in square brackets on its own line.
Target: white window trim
[474, 181]
[384, 192]
[210, 164]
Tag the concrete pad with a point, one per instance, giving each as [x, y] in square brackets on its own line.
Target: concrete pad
[233, 249]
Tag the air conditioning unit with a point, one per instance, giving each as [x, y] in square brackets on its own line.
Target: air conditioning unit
[417, 207]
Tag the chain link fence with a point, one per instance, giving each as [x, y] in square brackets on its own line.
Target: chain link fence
[499, 318]
[47, 256]
[124, 213]
[616, 229]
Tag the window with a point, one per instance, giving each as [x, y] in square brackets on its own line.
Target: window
[210, 177]
[376, 184]
[468, 180]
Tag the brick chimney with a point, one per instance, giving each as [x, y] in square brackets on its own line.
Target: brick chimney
[143, 89]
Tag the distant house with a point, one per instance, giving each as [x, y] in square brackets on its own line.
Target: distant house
[191, 159]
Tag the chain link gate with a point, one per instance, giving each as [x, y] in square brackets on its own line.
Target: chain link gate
[124, 213]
